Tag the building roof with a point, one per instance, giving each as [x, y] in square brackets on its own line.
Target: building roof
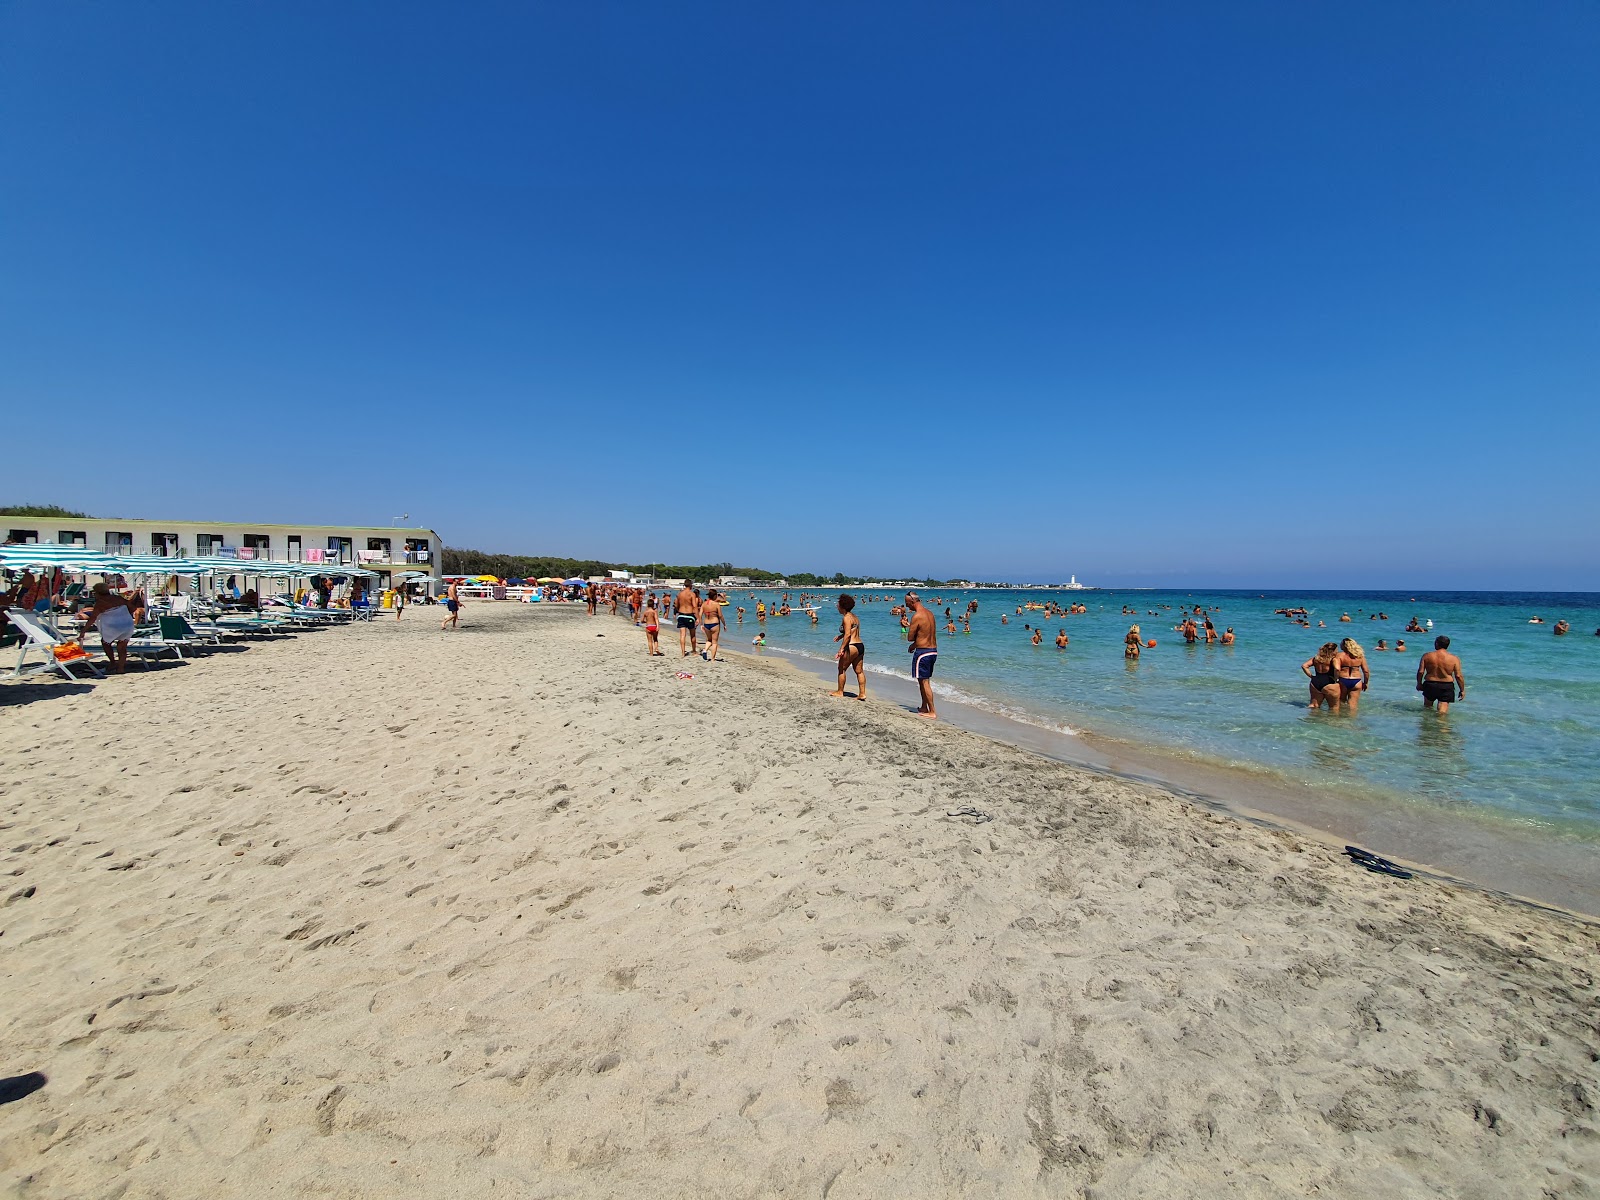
[67, 521]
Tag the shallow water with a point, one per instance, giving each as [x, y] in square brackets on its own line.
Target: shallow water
[1521, 749]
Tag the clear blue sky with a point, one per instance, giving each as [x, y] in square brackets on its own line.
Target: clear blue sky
[1153, 293]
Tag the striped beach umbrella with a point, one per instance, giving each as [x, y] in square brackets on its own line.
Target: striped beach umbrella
[155, 564]
[45, 555]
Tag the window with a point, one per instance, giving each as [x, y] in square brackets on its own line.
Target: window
[417, 550]
[294, 547]
[257, 545]
[22, 537]
[119, 543]
[339, 549]
[72, 537]
[208, 543]
[164, 544]
[379, 544]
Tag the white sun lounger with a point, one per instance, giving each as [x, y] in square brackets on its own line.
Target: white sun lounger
[36, 636]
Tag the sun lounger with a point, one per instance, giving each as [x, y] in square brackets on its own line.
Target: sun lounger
[36, 636]
[178, 633]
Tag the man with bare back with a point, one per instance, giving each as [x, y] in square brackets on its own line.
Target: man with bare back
[1439, 677]
[687, 606]
[924, 636]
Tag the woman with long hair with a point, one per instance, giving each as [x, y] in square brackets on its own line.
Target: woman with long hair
[1351, 665]
[1319, 669]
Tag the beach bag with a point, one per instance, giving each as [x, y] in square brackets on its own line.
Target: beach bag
[69, 652]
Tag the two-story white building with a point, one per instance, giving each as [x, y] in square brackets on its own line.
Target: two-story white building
[388, 551]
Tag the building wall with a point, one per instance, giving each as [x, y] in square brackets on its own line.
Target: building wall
[278, 543]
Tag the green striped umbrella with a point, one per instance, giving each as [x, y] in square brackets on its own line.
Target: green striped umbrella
[48, 554]
[155, 564]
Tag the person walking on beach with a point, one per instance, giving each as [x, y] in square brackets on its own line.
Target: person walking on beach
[853, 652]
[1439, 677]
[399, 600]
[112, 616]
[711, 618]
[592, 596]
[652, 629]
[924, 637]
[687, 608]
[452, 602]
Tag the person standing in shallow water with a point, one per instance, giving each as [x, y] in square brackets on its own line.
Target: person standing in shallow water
[853, 652]
[1439, 677]
[1319, 669]
[1354, 678]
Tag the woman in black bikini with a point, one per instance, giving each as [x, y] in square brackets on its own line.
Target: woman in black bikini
[854, 651]
[1324, 680]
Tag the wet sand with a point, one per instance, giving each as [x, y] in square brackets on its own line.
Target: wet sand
[513, 910]
[1483, 850]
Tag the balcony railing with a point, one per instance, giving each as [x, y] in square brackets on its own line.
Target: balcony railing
[311, 555]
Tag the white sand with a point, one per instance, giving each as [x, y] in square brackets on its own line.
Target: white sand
[385, 911]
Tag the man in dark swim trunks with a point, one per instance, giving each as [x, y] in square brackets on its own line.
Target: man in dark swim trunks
[1439, 677]
[687, 606]
[924, 636]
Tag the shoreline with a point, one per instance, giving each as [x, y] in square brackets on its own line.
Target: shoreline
[513, 909]
[1476, 856]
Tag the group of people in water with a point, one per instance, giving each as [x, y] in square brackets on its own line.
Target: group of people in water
[1339, 675]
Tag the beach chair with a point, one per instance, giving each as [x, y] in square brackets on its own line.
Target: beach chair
[36, 636]
[176, 631]
[207, 631]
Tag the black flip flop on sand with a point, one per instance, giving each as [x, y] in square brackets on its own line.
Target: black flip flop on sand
[978, 818]
[1380, 866]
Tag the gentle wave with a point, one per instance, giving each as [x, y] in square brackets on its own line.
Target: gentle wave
[953, 694]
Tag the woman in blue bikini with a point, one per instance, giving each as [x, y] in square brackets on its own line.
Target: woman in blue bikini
[1351, 665]
[711, 618]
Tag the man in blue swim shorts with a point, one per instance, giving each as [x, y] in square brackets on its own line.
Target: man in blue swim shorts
[924, 636]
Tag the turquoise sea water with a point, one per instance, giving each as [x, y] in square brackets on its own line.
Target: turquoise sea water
[1523, 748]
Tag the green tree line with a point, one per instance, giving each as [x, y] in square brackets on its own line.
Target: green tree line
[456, 561]
[42, 510]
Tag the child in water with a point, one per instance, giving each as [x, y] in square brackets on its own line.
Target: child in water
[759, 640]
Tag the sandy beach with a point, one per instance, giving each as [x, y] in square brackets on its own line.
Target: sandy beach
[387, 911]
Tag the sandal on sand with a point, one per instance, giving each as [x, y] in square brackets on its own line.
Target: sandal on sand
[1379, 866]
[978, 817]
